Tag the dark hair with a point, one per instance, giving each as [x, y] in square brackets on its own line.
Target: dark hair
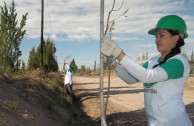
[174, 51]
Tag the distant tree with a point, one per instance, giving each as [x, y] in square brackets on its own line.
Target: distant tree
[73, 65]
[50, 61]
[33, 61]
[83, 68]
[23, 67]
[11, 35]
[146, 56]
[88, 69]
[185, 54]
[95, 65]
[143, 56]
[192, 56]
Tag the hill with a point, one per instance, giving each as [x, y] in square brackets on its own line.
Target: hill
[37, 98]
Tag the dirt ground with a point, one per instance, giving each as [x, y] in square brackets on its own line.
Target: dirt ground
[23, 103]
[126, 102]
[37, 99]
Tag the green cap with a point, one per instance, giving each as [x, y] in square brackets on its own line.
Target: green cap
[171, 22]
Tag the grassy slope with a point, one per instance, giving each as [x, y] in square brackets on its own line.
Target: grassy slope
[38, 99]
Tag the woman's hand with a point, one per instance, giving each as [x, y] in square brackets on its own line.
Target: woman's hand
[110, 48]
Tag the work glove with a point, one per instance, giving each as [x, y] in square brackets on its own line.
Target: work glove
[110, 48]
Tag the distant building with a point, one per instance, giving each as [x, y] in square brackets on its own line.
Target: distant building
[141, 60]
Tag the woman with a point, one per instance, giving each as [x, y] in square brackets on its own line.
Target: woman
[164, 77]
[68, 80]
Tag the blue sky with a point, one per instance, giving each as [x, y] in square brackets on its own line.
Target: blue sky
[74, 26]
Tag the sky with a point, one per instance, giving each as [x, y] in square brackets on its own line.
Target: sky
[74, 26]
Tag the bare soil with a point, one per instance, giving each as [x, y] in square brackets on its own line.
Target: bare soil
[30, 99]
[126, 102]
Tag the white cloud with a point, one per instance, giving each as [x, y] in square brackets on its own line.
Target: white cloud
[79, 20]
[145, 45]
[82, 17]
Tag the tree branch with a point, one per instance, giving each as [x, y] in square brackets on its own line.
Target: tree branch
[112, 22]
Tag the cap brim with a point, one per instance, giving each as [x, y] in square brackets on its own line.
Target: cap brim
[152, 31]
[185, 35]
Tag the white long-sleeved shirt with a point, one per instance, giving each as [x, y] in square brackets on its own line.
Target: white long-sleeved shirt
[68, 77]
[163, 87]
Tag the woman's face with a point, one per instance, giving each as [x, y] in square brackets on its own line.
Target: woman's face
[165, 41]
